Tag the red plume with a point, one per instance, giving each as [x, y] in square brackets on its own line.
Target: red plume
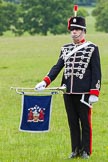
[75, 7]
[75, 10]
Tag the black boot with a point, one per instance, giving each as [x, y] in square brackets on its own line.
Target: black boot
[85, 155]
[74, 154]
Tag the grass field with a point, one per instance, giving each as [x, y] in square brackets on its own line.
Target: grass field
[24, 61]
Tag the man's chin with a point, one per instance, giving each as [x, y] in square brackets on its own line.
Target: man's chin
[75, 36]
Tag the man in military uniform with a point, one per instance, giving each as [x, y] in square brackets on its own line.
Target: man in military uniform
[82, 78]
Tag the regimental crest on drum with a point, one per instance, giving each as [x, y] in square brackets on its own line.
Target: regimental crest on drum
[36, 114]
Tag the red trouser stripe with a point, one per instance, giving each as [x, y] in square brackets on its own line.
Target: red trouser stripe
[90, 123]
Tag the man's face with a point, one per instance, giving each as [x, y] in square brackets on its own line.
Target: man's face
[77, 34]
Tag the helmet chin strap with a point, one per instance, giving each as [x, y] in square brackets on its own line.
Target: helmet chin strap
[73, 36]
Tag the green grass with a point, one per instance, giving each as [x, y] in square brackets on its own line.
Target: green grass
[24, 61]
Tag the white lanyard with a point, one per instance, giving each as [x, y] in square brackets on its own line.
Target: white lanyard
[76, 49]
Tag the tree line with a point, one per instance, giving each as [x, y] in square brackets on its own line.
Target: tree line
[40, 16]
[79, 2]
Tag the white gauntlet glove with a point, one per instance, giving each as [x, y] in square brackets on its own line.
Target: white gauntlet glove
[40, 86]
[93, 99]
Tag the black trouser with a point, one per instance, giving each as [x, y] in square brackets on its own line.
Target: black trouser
[79, 120]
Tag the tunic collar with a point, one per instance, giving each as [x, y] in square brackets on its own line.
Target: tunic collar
[81, 42]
